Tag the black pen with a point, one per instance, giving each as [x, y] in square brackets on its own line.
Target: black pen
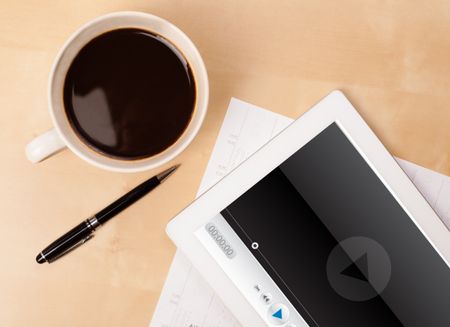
[84, 231]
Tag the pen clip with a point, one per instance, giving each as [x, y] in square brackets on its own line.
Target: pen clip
[73, 247]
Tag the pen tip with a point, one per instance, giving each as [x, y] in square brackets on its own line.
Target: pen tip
[40, 258]
[166, 173]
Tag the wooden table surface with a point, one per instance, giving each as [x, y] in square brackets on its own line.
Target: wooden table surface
[391, 58]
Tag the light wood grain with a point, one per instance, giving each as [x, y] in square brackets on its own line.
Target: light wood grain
[390, 57]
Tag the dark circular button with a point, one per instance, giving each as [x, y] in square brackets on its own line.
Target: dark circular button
[358, 268]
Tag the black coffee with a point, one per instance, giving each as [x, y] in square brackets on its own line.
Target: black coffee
[129, 94]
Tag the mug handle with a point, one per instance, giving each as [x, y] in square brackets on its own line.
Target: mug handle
[44, 146]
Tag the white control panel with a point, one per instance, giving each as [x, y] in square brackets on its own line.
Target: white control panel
[247, 273]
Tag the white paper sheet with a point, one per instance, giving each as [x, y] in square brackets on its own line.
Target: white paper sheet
[186, 299]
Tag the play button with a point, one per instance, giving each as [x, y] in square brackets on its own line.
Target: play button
[278, 314]
[358, 268]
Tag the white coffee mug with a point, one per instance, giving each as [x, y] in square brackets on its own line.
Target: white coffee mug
[63, 135]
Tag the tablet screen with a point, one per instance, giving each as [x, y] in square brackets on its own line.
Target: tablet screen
[338, 244]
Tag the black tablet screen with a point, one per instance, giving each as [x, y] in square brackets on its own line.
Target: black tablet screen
[338, 244]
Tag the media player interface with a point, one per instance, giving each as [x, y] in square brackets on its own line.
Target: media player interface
[338, 244]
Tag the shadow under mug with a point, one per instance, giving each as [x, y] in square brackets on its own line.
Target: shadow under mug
[63, 135]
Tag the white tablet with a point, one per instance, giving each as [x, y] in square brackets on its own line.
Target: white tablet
[320, 227]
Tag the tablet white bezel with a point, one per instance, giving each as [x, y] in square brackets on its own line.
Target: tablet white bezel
[334, 108]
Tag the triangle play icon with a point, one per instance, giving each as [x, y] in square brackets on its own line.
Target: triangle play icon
[278, 314]
[359, 269]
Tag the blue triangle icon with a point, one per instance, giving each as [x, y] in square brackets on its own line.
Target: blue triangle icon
[278, 314]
